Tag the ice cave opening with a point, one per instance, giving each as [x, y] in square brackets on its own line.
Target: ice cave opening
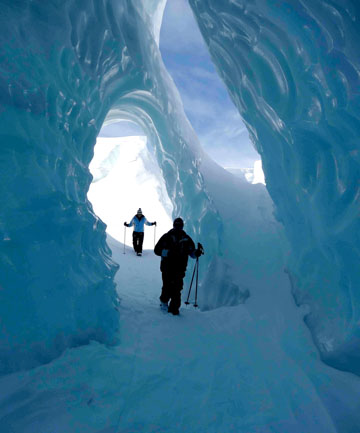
[126, 176]
[292, 70]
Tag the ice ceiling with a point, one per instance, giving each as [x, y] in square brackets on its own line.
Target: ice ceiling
[292, 69]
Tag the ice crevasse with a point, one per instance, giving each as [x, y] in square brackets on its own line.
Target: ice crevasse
[68, 67]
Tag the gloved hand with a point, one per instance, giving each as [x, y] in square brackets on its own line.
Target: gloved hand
[125, 224]
[197, 253]
[154, 223]
[164, 253]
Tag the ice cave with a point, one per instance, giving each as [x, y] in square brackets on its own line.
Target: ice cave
[275, 346]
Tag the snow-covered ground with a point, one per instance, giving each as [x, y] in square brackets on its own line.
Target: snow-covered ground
[219, 371]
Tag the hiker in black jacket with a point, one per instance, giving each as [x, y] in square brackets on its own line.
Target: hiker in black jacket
[174, 247]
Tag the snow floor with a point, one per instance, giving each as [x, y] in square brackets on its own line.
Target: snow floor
[233, 369]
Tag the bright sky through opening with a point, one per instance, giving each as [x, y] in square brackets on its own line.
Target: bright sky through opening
[126, 177]
[220, 129]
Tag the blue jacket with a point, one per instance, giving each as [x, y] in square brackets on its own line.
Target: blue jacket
[138, 223]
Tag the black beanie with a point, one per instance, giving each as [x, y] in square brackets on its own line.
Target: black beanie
[178, 223]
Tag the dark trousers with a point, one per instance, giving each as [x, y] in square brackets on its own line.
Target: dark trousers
[171, 289]
[138, 239]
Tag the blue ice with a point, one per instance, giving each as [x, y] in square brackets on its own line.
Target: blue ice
[291, 69]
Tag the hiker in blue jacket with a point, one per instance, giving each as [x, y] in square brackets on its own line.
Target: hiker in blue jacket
[138, 222]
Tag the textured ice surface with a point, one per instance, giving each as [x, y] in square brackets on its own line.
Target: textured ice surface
[292, 69]
[67, 67]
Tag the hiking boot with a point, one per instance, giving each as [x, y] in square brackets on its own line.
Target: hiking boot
[164, 306]
[174, 312]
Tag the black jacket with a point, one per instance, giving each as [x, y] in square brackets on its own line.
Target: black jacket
[178, 247]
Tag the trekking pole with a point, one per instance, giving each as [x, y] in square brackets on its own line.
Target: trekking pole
[124, 238]
[192, 279]
[197, 280]
[201, 250]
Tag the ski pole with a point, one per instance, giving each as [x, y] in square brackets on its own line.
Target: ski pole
[197, 280]
[124, 238]
[192, 279]
[154, 234]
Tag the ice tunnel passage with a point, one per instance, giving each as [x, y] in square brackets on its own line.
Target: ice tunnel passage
[292, 70]
[64, 70]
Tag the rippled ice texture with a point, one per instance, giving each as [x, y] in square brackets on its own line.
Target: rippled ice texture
[292, 69]
[66, 68]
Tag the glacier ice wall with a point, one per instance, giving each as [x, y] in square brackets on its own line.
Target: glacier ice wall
[56, 278]
[292, 69]
[67, 68]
